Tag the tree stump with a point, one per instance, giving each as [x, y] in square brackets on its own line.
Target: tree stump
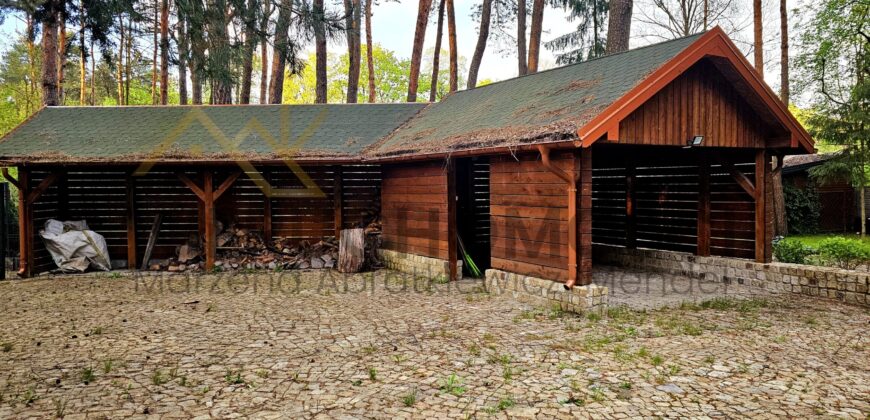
[351, 250]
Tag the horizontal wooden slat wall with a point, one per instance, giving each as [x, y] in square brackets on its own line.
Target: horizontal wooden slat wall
[732, 214]
[414, 209]
[666, 192]
[46, 207]
[99, 197]
[529, 215]
[699, 102]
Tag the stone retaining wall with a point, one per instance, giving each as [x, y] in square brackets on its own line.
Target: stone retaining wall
[418, 265]
[844, 285]
[547, 293]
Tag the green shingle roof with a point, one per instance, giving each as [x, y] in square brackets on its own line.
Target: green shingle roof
[543, 106]
[546, 106]
[255, 132]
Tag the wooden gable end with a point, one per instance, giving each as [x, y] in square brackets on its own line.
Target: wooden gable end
[700, 102]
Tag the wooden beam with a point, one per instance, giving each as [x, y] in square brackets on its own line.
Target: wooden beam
[703, 205]
[584, 245]
[226, 184]
[209, 219]
[337, 201]
[33, 194]
[152, 239]
[630, 203]
[62, 184]
[192, 185]
[451, 219]
[267, 205]
[25, 225]
[130, 213]
[762, 219]
[10, 178]
[740, 177]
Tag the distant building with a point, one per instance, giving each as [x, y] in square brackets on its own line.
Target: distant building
[839, 201]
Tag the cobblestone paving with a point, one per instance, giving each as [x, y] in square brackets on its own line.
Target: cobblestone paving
[251, 346]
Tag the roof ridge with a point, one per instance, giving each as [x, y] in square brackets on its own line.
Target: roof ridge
[668, 41]
[229, 105]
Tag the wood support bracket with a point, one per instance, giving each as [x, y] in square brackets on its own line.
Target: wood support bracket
[208, 194]
[10, 178]
[226, 184]
[192, 185]
[42, 187]
[740, 177]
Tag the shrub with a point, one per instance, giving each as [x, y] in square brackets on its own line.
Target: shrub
[791, 251]
[802, 208]
[844, 253]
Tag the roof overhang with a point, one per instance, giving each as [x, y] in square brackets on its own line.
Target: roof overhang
[715, 44]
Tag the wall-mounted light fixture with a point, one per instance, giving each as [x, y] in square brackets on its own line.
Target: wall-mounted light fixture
[695, 141]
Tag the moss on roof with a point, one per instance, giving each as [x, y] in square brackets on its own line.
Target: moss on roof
[547, 105]
[255, 132]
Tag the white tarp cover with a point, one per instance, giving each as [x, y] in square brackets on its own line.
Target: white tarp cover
[74, 247]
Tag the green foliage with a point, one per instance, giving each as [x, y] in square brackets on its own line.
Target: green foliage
[452, 385]
[844, 253]
[791, 251]
[803, 208]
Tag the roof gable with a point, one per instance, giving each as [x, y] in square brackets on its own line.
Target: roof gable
[716, 46]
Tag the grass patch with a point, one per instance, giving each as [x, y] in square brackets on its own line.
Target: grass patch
[6, 347]
[452, 385]
[410, 398]
[503, 404]
[87, 375]
[234, 377]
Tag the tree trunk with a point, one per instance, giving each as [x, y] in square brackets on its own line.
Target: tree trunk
[436, 57]
[30, 33]
[279, 52]
[83, 59]
[759, 40]
[182, 62]
[164, 52]
[319, 53]
[128, 62]
[351, 250]
[454, 54]
[417, 50]
[352, 19]
[93, 92]
[784, 90]
[219, 53]
[49, 54]
[780, 225]
[61, 55]
[264, 51]
[154, 94]
[482, 38]
[619, 25]
[248, 53]
[121, 44]
[370, 62]
[535, 35]
[196, 59]
[522, 66]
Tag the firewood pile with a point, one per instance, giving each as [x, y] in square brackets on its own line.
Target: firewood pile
[244, 249]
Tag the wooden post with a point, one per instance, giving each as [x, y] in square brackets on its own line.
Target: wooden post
[337, 201]
[25, 225]
[584, 187]
[451, 219]
[703, 205]
[267, 206]
[209, 219]
[630, 203]
[62, 196]
[131, 223]
[762, 175]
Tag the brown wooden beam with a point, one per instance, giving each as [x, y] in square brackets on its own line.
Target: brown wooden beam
[451, 219]
[267, 206]
[762, 218]
[703, 205]
[25, 225]
[630, 203]
[10, 178]
[740, 177]
[584, 187]
[226, 184]
[192, 185]
[209, 219]
[338, 202]
[131, 222]
[33, 194]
